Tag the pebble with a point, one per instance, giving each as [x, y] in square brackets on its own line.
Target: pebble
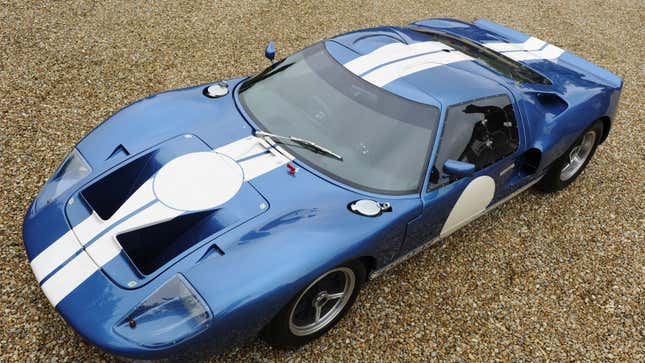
[546, 277]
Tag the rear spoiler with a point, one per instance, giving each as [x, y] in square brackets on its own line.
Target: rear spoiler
[522, 47]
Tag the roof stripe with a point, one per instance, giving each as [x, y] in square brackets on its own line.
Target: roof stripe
[528, 45]
[390, 53]
[530, 49]
[549, 52]
[389, 73]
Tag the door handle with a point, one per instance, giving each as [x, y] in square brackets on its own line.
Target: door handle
[507, 169]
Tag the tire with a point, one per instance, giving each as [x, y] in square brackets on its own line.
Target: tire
[298, 323]
[567, 168]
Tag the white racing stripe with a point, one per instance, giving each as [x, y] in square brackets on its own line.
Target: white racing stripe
[87, 230]
[393, 61]
[59, 251]
[102, 251]
[390, 53]
[391, 72]
[549, 52]
[530, 49]
[154, 214]
[67, 245]
[243, 148]
[138, 199]
[68, 278]
[262, 164]
[256, 157]
[107, 247]
[528, 45]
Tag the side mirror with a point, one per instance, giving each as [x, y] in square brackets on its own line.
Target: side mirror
[458, 168]
[269, 51]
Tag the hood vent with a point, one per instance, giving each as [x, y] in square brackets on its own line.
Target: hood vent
[108, 194]
[151, 247]
[119, 150]
[153, 242]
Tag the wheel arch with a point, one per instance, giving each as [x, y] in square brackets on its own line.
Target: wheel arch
[370, 264]
[367, 262]
[606, 126]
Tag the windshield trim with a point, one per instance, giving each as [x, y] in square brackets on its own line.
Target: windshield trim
[303, 161]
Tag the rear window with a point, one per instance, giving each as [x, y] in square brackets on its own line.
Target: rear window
[497, 61]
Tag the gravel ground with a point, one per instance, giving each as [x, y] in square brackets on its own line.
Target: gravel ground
[545, 277]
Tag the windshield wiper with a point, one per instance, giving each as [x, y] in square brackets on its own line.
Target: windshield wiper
[306, 143]
[268, 72]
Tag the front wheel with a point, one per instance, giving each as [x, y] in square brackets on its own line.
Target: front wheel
[567, 168]
[316, 308]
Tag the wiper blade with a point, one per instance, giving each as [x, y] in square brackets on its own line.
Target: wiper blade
[306, 143]
[268, 72]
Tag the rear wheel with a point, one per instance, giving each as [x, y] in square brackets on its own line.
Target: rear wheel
[316, 308]
[567, 168]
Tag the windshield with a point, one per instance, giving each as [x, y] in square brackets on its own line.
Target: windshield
[384, 139]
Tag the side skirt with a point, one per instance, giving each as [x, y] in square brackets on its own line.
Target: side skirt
[421, 248]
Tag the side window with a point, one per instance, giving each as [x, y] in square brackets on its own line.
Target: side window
[479, 132]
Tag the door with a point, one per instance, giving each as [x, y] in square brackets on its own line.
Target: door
[483, 132]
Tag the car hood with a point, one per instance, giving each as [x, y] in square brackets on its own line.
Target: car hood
[170, 173]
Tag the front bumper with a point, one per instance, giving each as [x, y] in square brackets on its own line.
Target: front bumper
[94, 306]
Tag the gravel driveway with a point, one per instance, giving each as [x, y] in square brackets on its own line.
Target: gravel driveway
[545, 277]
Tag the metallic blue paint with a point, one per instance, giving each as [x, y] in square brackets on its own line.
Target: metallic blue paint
[306, 229]
[269, 51]
[458, 168]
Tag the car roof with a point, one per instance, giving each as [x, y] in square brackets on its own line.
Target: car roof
[415, 65]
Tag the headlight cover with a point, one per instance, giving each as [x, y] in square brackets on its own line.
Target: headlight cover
[169, 315]
[73, 169]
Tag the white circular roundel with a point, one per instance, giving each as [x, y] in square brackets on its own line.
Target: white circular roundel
[198, 181]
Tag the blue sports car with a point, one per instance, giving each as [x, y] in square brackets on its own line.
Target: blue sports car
[201, 217]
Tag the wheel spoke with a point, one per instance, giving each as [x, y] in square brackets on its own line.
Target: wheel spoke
[318, 310]
[335, 296]
[574, 153]
[567, 166]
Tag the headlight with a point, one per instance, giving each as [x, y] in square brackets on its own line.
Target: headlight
[71, 171]
[171, 314]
